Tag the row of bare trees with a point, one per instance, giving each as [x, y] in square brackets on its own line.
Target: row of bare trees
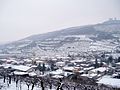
[45, 83]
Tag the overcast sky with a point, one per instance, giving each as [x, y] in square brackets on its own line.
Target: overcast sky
[22, 18]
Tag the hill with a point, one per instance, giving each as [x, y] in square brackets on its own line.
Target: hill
[73, 39]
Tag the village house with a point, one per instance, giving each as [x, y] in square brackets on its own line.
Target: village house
[22, 68]
[18, 69]
[117, 65]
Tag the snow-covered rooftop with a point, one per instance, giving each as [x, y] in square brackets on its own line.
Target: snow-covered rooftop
[118, 63]
[21, 67]
[57, 72]
[32, 74]
[20, 73]
[101, 69]
[89, 75]
[57, 76]
[68, 68]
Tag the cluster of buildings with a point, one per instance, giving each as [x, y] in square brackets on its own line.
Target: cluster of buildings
[59, 66]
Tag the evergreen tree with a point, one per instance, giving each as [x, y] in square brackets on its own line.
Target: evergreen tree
[96, 63]
[103, 55]
[43, 67]
[118, 59]
[101, 63]
[52, 65]
[110, 59]
[39, 67]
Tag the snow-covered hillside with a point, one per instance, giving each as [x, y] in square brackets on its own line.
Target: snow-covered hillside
[99, 37]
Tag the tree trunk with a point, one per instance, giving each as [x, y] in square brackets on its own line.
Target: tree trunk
[33, 86]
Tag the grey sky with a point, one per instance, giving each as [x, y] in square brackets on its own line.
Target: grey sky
[21, 18]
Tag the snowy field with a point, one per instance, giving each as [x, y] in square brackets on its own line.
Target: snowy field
[108, 80]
